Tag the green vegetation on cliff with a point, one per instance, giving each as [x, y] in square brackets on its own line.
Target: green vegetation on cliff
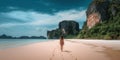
[107, 29]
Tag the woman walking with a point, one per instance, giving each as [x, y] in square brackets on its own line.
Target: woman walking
[61, 42]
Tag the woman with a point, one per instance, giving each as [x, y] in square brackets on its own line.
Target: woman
[61, 42]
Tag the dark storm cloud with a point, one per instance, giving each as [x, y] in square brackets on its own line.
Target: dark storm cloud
[43, 6]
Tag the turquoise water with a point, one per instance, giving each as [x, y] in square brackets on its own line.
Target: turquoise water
[12, 43]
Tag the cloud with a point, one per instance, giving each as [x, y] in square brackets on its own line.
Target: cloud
[20, 15]
[6, 19]
[72, 15]
[36, 18]
[42, 6]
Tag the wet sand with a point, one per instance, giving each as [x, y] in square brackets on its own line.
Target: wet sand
[73, 50]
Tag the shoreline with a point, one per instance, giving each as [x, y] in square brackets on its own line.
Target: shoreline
[13, 43]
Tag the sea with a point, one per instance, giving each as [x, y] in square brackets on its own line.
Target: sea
[12, 43]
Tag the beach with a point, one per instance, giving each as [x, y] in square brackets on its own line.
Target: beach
[74, 49]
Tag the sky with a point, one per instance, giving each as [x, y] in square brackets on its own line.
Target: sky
[36, 17]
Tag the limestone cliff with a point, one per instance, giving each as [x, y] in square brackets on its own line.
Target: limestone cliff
[101, 10]
[103, 20]
[69, 27]
[97, 12]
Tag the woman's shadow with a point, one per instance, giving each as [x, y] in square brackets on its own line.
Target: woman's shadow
[67, 51]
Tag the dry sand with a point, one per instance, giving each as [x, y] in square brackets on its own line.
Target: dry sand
[73, 50]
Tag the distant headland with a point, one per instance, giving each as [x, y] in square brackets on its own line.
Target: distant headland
[4, 36]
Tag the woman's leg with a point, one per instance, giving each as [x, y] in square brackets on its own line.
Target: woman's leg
[61, 47]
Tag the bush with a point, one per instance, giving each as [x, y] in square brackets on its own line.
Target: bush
[107, 37]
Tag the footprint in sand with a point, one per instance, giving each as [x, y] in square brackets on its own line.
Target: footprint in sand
[56, 50]
[71, 55]
[53, 53]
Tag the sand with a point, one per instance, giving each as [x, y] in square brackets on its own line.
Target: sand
[73, 50]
